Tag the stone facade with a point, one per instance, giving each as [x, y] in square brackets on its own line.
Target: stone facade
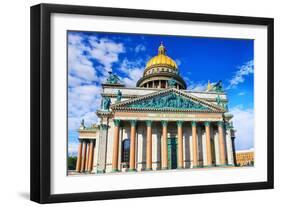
[149, 127]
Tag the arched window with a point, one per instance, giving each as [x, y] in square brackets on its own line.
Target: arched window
[125, 150]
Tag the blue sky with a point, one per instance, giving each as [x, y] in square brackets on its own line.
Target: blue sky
[91, 55]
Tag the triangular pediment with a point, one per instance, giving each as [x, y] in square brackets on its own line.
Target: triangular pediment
[168, 100]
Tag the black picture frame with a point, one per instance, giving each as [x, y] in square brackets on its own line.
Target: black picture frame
[41, 99]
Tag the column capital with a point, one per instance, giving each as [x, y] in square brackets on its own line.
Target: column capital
[220, 123]
[133, 123]
[164, 123]
[179, 123]
[103, 127]
[116, 122]
[207, 123]
[193, 123]
[148, 123]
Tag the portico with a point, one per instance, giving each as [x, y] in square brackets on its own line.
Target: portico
[184, 128]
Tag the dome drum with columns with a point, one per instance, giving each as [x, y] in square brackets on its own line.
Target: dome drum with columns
[157, 125]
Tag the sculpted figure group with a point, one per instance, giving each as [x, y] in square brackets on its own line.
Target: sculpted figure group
[169, 101]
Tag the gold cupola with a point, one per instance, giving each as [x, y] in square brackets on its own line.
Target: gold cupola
[160, 60]
[159, 70]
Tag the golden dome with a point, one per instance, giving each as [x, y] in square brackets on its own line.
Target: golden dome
[159, 70]
[161, 60]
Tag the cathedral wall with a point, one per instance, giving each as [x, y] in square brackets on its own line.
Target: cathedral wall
[187, 136]
[156, 145]
[96, 152]
[141, 146]
[109, 147]
[216, 142]
[200, 146]
[204, 146]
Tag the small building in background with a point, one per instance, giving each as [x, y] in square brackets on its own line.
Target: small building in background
[245, 157]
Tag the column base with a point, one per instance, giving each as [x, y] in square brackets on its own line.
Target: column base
[223, 165]
[100, 171]
[208, 166]
[164, 168]
[231, 165]
[115, 170]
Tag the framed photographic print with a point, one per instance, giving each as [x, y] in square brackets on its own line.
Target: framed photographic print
[132, 103]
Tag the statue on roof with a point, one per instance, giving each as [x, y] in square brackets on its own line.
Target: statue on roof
[112, 78]
[218, 100]
[119, 96]
[216, 87]
[225, 106]
[106, 103]
[82, 123]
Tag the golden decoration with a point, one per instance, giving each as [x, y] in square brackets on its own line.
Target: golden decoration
[162, 59]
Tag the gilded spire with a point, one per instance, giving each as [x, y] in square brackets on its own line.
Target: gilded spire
[161, 49]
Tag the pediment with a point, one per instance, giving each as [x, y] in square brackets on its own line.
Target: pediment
[168, 100]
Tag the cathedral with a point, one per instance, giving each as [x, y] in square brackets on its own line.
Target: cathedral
[157, 125]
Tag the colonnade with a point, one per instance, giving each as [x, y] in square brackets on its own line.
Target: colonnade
[159, 84]
[225, 158]
[85, 156]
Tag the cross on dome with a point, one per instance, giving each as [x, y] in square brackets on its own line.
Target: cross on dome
[162, 50]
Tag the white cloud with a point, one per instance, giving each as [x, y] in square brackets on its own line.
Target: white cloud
[74, 81]
[197, 86]
[80, 68]
[133, 71]
[140, 48]
[83, 102]
[178, 62]
[241, 94]
[105, 51]
[243, 121]
[84, 84]
[239, 77]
